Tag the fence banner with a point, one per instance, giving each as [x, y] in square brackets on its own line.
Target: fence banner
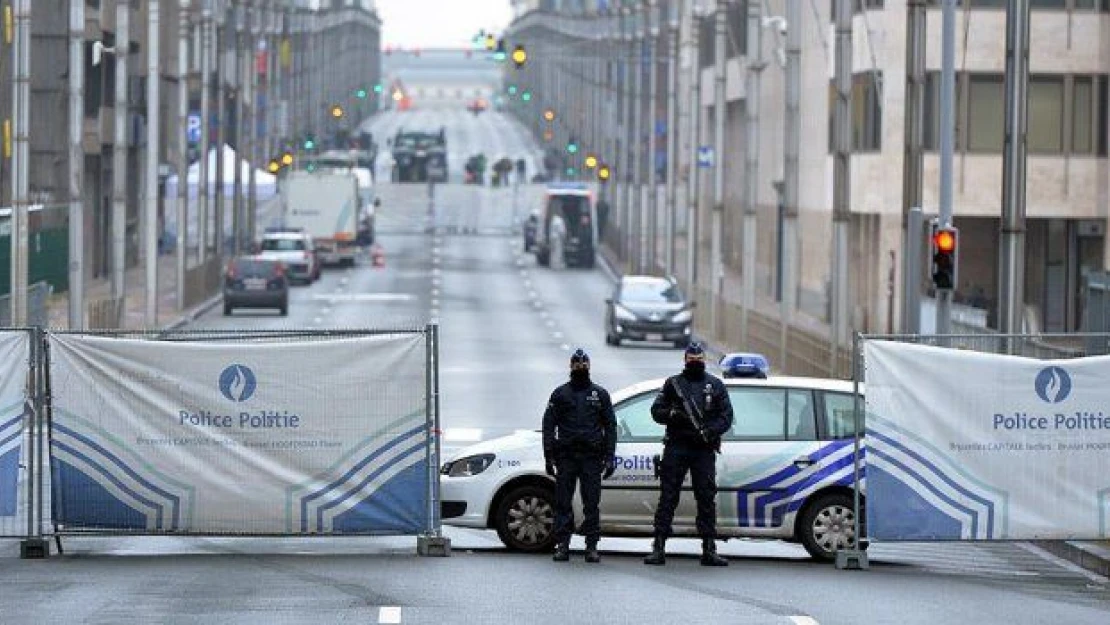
[967, 445]
[14, 359]
[306, 437]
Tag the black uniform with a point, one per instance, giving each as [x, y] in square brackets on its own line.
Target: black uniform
[684, 448]
[580, 438]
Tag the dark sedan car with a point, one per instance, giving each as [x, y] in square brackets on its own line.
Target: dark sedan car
[648, 308]
[253, 282]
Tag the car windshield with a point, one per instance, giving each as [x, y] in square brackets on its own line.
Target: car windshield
[282, 245]
[654, 292]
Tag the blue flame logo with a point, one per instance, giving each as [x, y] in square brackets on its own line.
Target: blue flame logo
[237, 383]
[1053, 385]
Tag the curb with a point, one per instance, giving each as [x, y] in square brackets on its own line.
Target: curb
[1093, 557]
[195, 313]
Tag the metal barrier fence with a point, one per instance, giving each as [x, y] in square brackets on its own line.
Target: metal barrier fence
[20, 443]
[247, 433]
[928, 447]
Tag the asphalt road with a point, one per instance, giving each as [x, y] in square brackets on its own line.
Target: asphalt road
[507, 328]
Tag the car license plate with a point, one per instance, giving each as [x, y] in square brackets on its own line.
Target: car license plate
[255, 284]
[655, 337]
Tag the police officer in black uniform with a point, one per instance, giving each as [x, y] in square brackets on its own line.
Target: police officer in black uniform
[690, 445]
[579, 444]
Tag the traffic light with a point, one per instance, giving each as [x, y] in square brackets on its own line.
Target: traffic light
[946, 242]
[310, 142]
[572, 146]
[603, 173]
[571, 172]
[378, 88]
[337, 112]
[526, 96]
[591, 161]
[549, 115]
[360, 94]
[491, 43]
[274, 166]
[548, 135]
[519, 56]
[287, 159]
[499, 54]
[512, 89]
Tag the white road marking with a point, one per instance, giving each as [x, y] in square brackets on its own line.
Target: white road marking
[566, 348]
[550, 323]
[435, 272]
[802, 620]
[435, 292]
[435, 302]
[364, 297]
[389, 614]
[462, 434]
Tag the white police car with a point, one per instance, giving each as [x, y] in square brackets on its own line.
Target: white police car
[785, 471]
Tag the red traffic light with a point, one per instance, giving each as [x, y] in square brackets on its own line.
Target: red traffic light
[945, 240]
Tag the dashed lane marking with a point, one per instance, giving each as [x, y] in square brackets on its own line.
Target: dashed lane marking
[803, 620]
[389, 614]
[364, 297]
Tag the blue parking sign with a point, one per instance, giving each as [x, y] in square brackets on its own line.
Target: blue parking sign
[193, 128]
[705, 156]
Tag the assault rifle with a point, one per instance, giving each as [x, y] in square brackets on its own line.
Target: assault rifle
[697, 419]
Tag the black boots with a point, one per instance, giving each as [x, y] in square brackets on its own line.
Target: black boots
[562, 552]
[709, 555]
[657, 556]
[592, 556]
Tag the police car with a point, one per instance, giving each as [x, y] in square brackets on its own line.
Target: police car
[785, 471]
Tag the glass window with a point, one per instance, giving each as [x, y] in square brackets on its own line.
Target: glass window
[1046, 114]
[634, 421]
[839, 417]
[653, 292]
[800, 419]
[1046, 4]
[1082, 118]
[986, 114]
[1101, 107]
[758, 414]
[282, 245]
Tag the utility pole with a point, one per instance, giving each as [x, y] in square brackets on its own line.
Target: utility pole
[652, 205]
[691, 57]
[716, 288]
[254, 27]
[672, 135]
[1012, 272]
[21, 102]
[76, 165]
[792, 144]
[205, 128]
[153, 143]
[947, 137]
[637, 131]
[183, 36]
[751, 169]
[240, 134]
[913, 167]
[842, 192]
[119, 159]
[628, 162]
[220, 39]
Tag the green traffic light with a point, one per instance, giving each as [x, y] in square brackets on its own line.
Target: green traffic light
[571, 172]
[310, 144]
[378, 88]
[572, 148]
[526, 96]
[499, 56]
[512, 89]
[361, 94]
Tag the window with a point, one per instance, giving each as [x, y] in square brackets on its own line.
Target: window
[1045, 127]
[282, 245]
[759, 414]
[985, 113]
[634, 421]
[800, 419]
[1082, 119]
[840, 415]
[866, 111]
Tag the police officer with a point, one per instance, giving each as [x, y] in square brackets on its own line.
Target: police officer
[691, 443]
[579, 444]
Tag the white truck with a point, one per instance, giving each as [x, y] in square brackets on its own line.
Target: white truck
[325, 204]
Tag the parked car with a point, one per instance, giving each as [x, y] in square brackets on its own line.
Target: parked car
[648, 308]
[785, 471]
[295, 249]
[255, 282]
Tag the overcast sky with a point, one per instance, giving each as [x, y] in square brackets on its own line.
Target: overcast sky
[439, 23]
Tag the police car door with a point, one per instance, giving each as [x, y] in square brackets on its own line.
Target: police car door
[764, 457]
[630, 496]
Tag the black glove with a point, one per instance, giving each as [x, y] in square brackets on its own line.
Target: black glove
[675, 414]
[610, 468]
[549, 467]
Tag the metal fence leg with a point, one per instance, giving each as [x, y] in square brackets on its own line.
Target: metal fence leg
[34, 546]
[855, 559]
[432, 542]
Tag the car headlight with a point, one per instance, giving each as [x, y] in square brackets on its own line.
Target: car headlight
[623, 314]
[468, 466]
[682, 316]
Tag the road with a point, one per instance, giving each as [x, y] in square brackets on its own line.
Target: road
[507, 328]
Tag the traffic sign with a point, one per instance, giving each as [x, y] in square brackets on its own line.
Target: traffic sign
[705, 156]
[193, 128]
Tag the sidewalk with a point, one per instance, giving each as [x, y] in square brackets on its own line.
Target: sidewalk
[134, 317]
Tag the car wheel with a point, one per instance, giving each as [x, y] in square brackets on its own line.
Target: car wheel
[525, 519]
[828, 525]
